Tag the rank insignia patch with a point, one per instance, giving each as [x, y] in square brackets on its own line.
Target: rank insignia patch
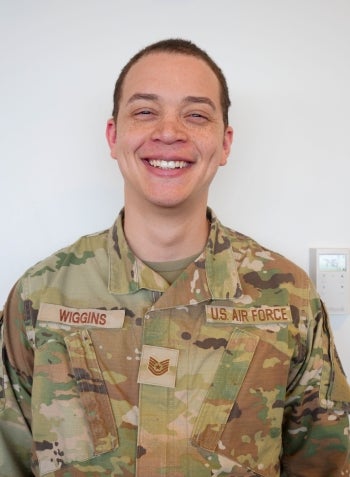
[158, 366]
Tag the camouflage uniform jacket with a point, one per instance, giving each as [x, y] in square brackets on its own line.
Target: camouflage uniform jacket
[230, 371]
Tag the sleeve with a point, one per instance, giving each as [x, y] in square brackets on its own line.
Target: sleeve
[15, 391]
[316, 425]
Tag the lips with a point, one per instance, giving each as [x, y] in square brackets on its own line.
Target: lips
[168, 165]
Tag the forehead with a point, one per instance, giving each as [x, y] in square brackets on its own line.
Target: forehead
[172, 74]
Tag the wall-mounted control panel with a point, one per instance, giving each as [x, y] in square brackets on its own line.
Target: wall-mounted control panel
[330, 272]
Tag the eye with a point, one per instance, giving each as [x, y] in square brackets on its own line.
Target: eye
[198, 117]
[143, 112]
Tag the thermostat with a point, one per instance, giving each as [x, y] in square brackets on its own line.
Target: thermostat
[330, 272]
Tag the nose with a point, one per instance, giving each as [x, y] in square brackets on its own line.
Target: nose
[169, 129]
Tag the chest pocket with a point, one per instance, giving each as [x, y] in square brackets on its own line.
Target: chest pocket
[72, 415]
[241, 416]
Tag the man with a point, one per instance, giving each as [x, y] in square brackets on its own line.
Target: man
[170, 345]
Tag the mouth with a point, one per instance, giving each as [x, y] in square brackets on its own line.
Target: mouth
[168, 165]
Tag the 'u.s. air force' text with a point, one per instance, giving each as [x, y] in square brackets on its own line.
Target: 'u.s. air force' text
[258, 315]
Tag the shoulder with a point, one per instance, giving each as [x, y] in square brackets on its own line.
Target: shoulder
[257, 260]
[81, 254]
[76, 253]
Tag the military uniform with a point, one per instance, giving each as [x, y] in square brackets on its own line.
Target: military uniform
[230, 371]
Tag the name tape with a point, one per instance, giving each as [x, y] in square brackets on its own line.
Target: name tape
[81, 316]
[254, 316]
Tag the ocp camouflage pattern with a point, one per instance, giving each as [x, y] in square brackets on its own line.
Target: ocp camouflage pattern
[230, 371]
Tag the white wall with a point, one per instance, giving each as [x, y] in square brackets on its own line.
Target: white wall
[288, 68]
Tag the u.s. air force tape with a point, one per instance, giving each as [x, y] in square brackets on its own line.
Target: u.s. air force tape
[263, 315]
[81, 316]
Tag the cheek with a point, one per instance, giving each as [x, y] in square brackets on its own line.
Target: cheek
[213, 152]
[128, 142]
[210, 140]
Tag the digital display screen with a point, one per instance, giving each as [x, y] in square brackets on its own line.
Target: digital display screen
[332, 262]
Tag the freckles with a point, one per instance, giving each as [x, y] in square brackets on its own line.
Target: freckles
[130, 137]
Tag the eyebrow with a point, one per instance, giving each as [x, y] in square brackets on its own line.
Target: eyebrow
[147, 96]
[200, 99]
[187, 99]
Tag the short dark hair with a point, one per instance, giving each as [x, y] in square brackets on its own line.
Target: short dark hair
[175, 46]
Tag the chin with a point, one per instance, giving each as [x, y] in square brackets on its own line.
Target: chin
[167, 203]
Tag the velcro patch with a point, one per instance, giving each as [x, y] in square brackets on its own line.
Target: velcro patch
[158, 366]
[263, 315]
[90, 317]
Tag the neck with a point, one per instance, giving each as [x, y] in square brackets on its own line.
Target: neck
[166, 234]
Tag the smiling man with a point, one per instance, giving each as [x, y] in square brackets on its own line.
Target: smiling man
[170, 345]
[169, 139]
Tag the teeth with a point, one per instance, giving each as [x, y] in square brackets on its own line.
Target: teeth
[168, 164]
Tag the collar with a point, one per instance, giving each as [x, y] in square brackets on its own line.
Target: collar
[215, 270]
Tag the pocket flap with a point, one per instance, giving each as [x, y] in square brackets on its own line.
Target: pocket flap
[92, 390]
[220, 399]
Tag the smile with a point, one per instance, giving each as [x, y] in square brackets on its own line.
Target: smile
[168, 164]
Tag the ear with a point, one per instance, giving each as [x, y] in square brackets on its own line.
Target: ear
[111, 135]
[226, 147]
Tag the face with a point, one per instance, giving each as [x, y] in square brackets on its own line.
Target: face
[169, 137]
